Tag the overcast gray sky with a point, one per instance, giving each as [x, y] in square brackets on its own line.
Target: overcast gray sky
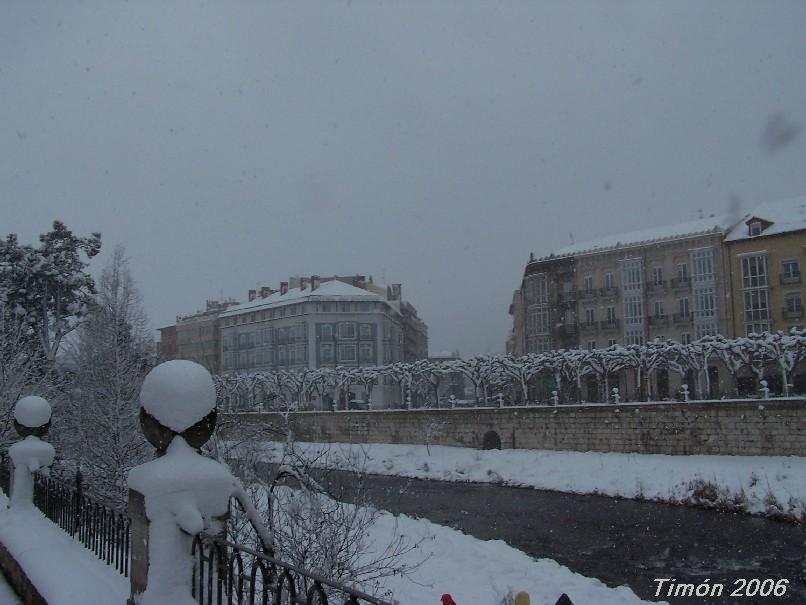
[228, 144]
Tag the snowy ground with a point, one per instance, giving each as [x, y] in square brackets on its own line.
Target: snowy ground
[771, 485]
[63, 571]
[477, 572]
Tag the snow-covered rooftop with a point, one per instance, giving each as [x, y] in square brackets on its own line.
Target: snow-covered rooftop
[328, 289]
[714, 224]
[785, 216]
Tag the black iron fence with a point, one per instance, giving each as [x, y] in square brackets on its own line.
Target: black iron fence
[5, 474]
[102, 529]
[230, 574]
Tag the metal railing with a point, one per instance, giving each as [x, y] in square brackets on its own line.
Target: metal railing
[5, 474]
[102, 529]
[679, 283]
[231, 574]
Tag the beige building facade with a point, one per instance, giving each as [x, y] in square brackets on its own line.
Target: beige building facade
[767, 251]
[669, 283]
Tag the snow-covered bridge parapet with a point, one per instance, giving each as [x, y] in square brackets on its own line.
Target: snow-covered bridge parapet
[725, 427]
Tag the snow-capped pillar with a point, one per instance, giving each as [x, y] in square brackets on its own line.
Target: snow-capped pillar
[179, 494]
[31, 421]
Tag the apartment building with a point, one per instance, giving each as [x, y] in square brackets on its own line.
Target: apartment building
[196, 337]
[766, 252]
[322, 323]
[668, 282]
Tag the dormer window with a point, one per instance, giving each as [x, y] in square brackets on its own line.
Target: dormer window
[755, 228]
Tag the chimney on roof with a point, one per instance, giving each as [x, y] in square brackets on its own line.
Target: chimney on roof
[314, 282]
[393, 292]
[303, 283]
[265, 292]
[283, 288]
[252, 295]
[359, 281]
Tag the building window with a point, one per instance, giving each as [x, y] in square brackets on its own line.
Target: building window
[755, 293]
[365, 352]
[633, 311]
[754, 228]
[363, 306]
[347, 353]
[684, 308]
[790, 271]
[326, 352]
[366, 330]
[754, 271]
[660, 312]
[704, 303]
[657, 276]
[634, 337]
[590, 316]
[325, 331]
[608, 281]
[686, 338]
[611, 314]
[756, 311]
[703, 264]
[537, 321]
[347, 330]
[793, 304]
[682, 272]
[591, 345]
[588, 283]
[536, 290]
[612, 342]
[631, 274]
[282, 358]
[543, 344]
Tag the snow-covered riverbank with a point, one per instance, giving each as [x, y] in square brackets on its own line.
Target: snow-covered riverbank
[478, 572]
[768, 485]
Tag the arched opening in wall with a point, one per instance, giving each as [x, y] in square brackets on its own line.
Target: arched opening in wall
[491, 441]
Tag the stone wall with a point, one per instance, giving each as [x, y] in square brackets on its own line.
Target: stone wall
[742, 427]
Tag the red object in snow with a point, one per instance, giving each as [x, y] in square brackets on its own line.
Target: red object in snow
[448, 599]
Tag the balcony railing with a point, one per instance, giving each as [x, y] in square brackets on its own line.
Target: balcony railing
[656, 285]
[609, 324]
[793, 313]
[792, 278]
[658, 320]
[589, 326]
[587, 294]
[568, 297]
[608, 292]
[681, 318]
[680, 283]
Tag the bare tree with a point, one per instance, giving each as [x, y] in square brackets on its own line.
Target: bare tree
[110, 357]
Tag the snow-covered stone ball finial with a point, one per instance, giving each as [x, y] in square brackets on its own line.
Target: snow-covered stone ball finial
[178, 398]
[32, 416]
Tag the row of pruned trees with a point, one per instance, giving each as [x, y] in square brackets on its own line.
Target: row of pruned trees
[420, 382]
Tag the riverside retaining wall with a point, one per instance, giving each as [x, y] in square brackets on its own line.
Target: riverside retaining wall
[730, 427]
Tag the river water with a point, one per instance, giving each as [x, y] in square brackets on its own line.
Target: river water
[618, 541]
